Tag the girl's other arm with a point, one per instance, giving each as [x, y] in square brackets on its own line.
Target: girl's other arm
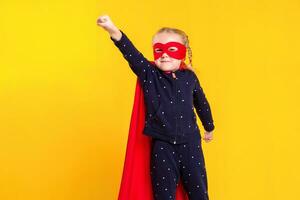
[202, 107]
[137, 62]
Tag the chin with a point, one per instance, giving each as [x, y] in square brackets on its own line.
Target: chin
[166, 67]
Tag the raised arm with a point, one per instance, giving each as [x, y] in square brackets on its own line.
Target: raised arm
[137, 62]
[202, 107]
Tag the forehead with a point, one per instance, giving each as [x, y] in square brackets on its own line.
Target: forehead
[166, 37]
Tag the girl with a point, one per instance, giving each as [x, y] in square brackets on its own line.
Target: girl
[171, 93]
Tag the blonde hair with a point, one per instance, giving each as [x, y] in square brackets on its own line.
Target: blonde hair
[185, 40]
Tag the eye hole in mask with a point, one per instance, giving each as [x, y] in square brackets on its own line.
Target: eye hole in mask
[172, 49]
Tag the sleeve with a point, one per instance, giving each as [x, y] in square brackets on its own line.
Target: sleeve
[202, 107]
[137, 62]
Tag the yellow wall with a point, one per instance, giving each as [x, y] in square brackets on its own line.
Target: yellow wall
[66, 94]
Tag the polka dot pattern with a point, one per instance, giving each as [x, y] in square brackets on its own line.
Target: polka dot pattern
[173, 163]
[168, 97]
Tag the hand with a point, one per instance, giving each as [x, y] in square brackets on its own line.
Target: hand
[208, 136]
[105, 22]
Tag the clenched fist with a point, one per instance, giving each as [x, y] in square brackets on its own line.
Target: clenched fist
[105, 22]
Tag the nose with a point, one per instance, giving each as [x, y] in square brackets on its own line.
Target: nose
[164, 55]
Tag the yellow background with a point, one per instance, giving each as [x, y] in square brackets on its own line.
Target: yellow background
[66, 94]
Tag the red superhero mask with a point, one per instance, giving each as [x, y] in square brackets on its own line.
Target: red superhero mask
[178, 51]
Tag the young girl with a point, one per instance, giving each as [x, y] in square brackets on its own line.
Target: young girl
[171, 93]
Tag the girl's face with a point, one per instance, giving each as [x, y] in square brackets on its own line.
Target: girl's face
[166, 62]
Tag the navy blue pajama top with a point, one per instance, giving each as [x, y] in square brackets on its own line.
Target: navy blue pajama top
[169, 102]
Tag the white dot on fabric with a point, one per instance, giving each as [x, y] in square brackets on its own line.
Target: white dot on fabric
[187, 83]
[162, 112]
[161, 148]
[202, 175]
[168, 169]
[164, 125]
[198, 186]
[144, 70]
[207, 109]
[142, 61]
[166, 189]
[192, 156]
[152, 71]
[130, 55]
[184, 145]
[178, 90]
[124, 45]
[204, 102]
[173, 152]
[157, 183]
[155, 155]
[171, 102]
[189, 174]
[160, 77]
[164, 86]
[150, 82]
[181, 116]
[183, 167]
[144, 80]
[164, 160]
[163, 177]
[182, 100]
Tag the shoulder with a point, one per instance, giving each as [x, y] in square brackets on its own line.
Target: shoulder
[191, 75]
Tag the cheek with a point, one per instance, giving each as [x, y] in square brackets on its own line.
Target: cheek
[158, 61]
[176, 61]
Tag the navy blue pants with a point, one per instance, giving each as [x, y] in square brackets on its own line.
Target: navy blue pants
[171, 163]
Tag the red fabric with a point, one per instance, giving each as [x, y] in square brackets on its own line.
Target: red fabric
[164, 48]
[136, 179]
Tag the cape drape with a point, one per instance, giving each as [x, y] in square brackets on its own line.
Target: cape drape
[136, 179]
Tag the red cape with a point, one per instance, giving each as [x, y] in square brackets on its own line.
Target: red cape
[136, 179]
